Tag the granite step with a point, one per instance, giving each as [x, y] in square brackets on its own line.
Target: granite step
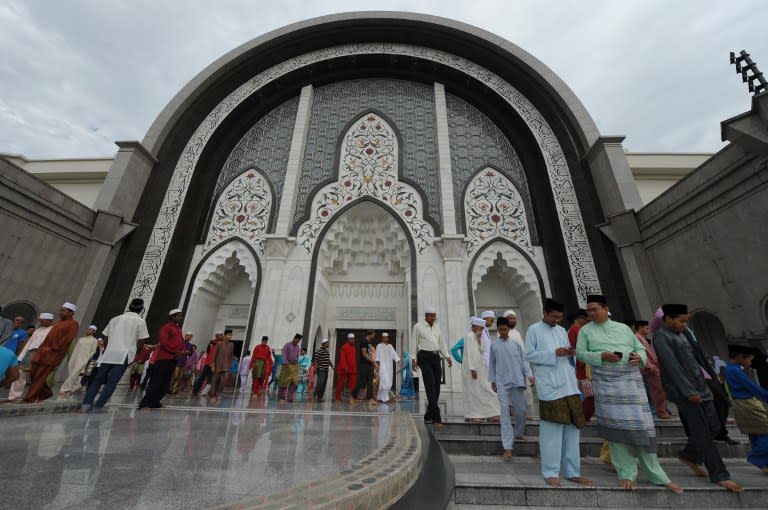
[491, 482]
[590, 446]
[664, 428]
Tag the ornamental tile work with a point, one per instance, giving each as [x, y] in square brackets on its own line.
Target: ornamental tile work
[242, 210]
[411, 108]
[571, 222]
[265, 146]
[494, 208]
[368, 166]
[477, 142]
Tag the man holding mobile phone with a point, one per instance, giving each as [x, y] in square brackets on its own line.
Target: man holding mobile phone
[621, 405]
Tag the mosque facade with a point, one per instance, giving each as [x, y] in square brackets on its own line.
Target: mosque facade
[343, 173]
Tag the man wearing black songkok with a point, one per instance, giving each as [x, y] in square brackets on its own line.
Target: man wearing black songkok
[685, 385]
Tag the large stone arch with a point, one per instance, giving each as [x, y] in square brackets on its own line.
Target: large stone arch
[530, 104]
[573, 231]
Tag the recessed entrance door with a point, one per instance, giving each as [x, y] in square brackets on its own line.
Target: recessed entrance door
[341, 339]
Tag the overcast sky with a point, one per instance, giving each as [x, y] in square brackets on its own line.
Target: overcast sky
[77, 75]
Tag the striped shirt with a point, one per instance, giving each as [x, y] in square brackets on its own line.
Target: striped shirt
[322, 359]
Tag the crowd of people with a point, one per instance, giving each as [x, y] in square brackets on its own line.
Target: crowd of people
[172, 365]
[621, 373]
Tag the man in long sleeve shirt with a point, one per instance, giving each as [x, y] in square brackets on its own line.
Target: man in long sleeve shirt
[548, 351]
[684, 383]
[509, 373]
[50, 353]
[288, 379]
[623, 417]
[430, 350]
[347, 369]
[34, 342]
[746, 410]
[170, 347]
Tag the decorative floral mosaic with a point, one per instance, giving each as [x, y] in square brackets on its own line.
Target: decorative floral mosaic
[494, 208]
[242, 210]
[476, 141]
[368, 163]
[408, 105]
[571, 223]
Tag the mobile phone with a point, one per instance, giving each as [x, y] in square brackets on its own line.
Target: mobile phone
[619, 354]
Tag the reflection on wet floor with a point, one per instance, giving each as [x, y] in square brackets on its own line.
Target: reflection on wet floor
[190, 455]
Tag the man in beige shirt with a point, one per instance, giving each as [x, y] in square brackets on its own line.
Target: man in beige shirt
[430, 349]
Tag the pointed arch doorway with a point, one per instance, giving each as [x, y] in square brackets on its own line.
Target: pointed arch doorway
[502, 278]
[363, 274]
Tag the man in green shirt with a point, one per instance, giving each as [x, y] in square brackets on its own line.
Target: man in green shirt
[621, 405]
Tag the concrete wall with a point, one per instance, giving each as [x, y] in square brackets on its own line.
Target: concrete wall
[44, 237]
[707, 242]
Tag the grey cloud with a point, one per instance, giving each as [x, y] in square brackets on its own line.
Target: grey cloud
[77, 75]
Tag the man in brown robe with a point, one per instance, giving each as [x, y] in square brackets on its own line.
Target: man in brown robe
[221, 365]
[51, 353]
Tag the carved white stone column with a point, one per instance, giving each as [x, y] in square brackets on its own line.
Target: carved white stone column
[295, 160]
[448, 207]
[276, 250]
[453, 249]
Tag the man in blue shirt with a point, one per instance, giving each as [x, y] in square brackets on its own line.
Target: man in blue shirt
[549, 353]
[748, 404]
[509, 375]
[18, 336]
[9, 367]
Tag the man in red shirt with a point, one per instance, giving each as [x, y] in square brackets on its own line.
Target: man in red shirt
[261, 366]
[170, 347]
[347, 367]
[585, 384]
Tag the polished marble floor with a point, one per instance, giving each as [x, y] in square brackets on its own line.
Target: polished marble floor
[190, 455]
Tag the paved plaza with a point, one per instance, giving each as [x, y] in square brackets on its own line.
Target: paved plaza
[189, 455]
[257, 453]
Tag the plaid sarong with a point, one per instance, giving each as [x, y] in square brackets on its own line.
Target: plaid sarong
[259, 368]
[289, 376]
[621, 406]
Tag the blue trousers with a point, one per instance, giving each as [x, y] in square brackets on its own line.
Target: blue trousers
[107, 375]
[559, 445]
[759, 454]
[514, 397]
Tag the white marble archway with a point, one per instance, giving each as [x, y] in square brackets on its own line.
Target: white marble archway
[223, 291]
[518, 276]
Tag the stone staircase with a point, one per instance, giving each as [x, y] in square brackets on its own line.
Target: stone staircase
[485, 481]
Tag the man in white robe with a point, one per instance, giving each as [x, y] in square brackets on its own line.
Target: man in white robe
[385, 357]
[480, 402]
[78, 360]
[489, 316]
[37, 338]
